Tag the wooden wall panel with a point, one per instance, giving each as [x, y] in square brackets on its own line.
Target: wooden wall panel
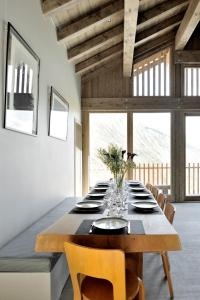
[109, 83]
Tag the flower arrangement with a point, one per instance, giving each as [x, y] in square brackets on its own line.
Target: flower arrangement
[114, 159]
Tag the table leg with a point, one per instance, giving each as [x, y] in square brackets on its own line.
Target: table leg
[134, 261]
[140, 265]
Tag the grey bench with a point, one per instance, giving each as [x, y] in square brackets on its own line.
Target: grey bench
[27, 275]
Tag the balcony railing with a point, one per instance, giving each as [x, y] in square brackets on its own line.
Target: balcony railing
[156, 174]
[193, 179]
[160, 175]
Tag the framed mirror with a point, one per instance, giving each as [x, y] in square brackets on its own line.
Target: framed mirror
[58, 119]
[21, 85]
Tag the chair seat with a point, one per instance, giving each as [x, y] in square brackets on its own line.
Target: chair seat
[98, 289]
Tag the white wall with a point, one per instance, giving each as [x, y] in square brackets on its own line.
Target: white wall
[36, 173]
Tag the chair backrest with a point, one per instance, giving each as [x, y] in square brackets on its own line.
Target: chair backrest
[155, 192]
[149, 186]
[161, 200]
[98, 263]
[170, 211]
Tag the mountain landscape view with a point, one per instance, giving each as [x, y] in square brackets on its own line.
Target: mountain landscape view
[151, 140]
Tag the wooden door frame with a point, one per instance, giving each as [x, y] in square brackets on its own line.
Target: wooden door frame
[188, 198]
[79, 123]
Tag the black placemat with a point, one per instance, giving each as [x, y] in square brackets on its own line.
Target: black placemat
[132, 189]
[133, 211]
[136, 227]
[91, 211]
[94, 197]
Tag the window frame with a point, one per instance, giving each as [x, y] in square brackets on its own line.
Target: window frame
[166, 59]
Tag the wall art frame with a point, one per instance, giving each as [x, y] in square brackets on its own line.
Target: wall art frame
[21, 85]
[58, 115]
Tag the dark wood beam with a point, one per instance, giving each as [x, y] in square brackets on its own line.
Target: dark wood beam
[160, 12]
[154, 46]
[188, 24]
[96, 18]
[98, 59]
[52, 6]
[105, 39]
[163, 103]
[130, 24]
[153, 31]
[187, 57]
[147, 4]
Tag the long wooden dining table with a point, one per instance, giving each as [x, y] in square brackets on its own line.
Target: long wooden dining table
[159, 235]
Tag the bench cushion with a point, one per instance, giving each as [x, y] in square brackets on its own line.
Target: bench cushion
[18, 255]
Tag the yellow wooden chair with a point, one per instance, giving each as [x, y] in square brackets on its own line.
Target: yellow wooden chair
[169, 213]
[100, 274]
[161, 200]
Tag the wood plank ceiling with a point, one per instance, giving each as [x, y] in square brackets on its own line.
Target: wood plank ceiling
[105, 32]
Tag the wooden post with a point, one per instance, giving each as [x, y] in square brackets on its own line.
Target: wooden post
[178, 156]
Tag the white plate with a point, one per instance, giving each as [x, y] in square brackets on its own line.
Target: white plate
[98, 188]
[106, 184]
[136, 183]
[141, 195]
[110, 223]
[137, 189]
[145, 205]
[89, 204]
[96, 194]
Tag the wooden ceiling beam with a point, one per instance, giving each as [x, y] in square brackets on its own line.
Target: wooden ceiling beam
[152, 103]
[105, 39]
[97, 18]
[154, 31]
[98, 59]
[187, 57]
[154, 46]
[156, 35]
[147, 4]
[188, 24]
[53, 6]
[130, 25]
[160, 12]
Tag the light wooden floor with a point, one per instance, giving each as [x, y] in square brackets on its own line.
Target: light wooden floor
[185, 265]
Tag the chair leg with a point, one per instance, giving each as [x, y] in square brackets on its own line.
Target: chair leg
[167, 273]
[168, 263]
[162, 256]
[141, 292]
[167, 260]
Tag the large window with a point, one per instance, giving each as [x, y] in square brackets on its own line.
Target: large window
[192, 81]
[105, 128]
[151, 141]
[151, 76]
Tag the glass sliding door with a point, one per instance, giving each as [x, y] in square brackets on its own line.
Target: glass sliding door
[151, 142]
[104, 128]
[192, 167]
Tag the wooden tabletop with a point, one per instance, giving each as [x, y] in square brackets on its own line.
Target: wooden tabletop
[159, 235]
